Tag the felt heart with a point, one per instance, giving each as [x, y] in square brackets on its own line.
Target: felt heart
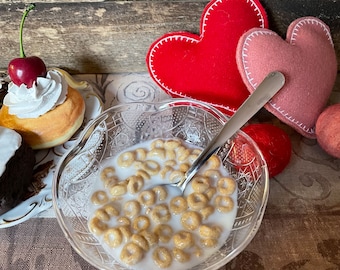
[203, 66]
[308, 60]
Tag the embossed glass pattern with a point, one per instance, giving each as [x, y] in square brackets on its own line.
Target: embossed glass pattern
[127, 124]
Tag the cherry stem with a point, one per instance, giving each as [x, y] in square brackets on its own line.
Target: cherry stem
[28, 9]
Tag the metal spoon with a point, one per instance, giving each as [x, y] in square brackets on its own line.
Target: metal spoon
[263, 93]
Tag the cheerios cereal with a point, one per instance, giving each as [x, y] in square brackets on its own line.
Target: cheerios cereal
[145, 224]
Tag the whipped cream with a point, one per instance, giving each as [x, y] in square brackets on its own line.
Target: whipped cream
[43, 96]
[10, 142]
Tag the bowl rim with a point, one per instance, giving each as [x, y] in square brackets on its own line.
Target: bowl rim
[162, 104]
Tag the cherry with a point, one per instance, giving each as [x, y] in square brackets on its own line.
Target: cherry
[25, 70]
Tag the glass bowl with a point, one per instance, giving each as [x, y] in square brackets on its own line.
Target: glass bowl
[128, 124]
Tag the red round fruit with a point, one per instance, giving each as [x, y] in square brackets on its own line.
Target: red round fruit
[274, 144]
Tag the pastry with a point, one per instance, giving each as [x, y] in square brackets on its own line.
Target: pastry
[16, 168]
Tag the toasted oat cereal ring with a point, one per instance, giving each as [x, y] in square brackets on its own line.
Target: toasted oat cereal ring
[191, 158]
[113, 237]
[126, 232]
[176, 176]
[164, 232]
[178, 205]
[209, 242]
[97, 226]
[158, 143]
[156, 152]
[162, 257]
[212, 232]
[99, 197]
[135, 184]
[200, 183]
[106, 212]
[160, 213]
[214, 162]
[131, 254]
[184, 167]
[124, 221]
[170, 154]
[126, 159]
[141, 223]
[150, 237]
[207, 211]
[213, 175]
[108, 173]
[119, 189]
[147, 197]
[140, 241]
[143, 174]
[171, 144]
[161, 193]
[165, 170]
[210, 192]
[196, 151]
[183, 153]
[180, 255]
[141, 153]
[109, 183]
[226, 186]
[191, 220]
[132, 208]
[197, 200]
[151, 167]
[224, 204]
[170, 162]
[183, 239]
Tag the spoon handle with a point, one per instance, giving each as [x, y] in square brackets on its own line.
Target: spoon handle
[263, 93]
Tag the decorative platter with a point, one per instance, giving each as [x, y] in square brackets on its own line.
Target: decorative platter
[40, 197]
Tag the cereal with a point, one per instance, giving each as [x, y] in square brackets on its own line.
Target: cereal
[131, 253]
[126, 159]
[183, 240]
[135, 184]
[142, 222]
[147, 197]
[178, 205]
[132, 208]
[197, 201]
[97, 226]
[160, 213]
[226, 186]
[113, 237]
[162, 257]
[99, 197]
[164, 232]
[140, 241]
[161, 193]
[224, 204]
[191, 220]
[180, 255]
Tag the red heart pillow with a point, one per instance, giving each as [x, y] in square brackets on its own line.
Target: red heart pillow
[203, 66]
[307, 59]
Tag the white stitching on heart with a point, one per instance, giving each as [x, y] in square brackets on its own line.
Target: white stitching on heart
[254, 84]
[157, 45]
[305, 21]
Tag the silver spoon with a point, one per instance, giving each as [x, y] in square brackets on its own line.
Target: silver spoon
[263, 93]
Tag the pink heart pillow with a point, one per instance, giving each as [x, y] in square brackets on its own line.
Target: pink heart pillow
[307, 59]
[203, 66]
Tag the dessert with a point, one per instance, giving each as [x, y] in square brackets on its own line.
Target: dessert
[16, 168]
[40, 104]
[145, 224]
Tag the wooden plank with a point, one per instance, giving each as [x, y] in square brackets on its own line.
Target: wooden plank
[114, 36]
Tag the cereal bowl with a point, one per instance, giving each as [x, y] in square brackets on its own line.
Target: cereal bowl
[127, 125]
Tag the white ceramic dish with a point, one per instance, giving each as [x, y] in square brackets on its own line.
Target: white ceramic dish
[43, 200]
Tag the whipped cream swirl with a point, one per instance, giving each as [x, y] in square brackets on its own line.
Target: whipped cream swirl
[10, 142]
[43, 96]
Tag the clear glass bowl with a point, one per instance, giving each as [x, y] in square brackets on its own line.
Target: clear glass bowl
[127, 124]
